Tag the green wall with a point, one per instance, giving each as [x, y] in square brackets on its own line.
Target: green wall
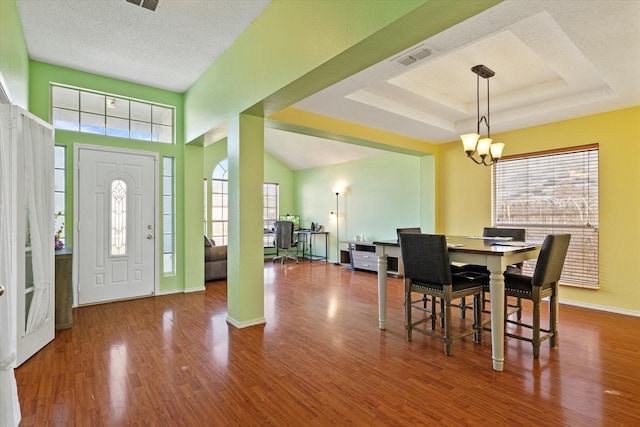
[14, 59]
[188, 167]
[461, 182]
[381, 194]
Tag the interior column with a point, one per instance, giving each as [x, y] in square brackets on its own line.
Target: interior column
[245, 264]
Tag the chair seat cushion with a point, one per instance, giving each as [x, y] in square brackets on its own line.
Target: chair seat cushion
[520, 283]
[459, 283]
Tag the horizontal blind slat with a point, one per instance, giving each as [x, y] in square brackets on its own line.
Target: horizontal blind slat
[550, 194]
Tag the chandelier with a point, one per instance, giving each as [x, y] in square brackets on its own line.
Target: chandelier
[489, 151]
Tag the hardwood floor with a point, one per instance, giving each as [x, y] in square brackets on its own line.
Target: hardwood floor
[320, 360]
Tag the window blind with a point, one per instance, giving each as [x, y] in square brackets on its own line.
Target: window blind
[553, 193]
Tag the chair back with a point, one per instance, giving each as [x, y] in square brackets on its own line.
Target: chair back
[412, 230]
[551, 259]
[284, 234]
[425, 258]
[518, 234]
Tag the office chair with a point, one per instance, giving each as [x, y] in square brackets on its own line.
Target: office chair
[284, 241]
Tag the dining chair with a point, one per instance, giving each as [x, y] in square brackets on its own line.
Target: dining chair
[424, 299]
[284, 241]
[543, 283]
[414, 230]
[518, 235]
[427, 271]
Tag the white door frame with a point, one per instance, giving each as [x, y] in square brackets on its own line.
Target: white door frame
[156, 200]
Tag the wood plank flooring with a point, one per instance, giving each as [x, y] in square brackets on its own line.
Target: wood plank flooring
[320, 360]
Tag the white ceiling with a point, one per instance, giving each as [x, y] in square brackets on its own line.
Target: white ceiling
[553, 60]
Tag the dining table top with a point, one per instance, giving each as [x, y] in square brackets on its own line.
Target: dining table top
[478, 244]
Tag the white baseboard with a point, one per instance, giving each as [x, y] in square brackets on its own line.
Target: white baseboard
[180, 291]
[602, 308]
[196, 289]
[246, 324]
[169, 292]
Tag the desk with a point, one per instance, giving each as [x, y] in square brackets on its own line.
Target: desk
[309, 237]
[472, 251]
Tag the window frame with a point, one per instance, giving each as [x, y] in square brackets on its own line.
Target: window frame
[93, 112]
[562, 198]
[219, 214]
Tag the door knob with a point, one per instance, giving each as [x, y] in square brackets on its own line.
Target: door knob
[1, 289]
[149, 236]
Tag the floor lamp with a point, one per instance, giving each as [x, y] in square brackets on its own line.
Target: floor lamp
[337, 190]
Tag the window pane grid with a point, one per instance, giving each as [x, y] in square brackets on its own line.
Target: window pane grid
[552, 194]
[270, 211]
[59, 191]
[220, 206]
[219, 210]
[89, 112]
[168, 208]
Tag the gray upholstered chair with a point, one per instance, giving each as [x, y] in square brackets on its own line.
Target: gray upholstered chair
[427, 271]
[543, 283]
[284, 241]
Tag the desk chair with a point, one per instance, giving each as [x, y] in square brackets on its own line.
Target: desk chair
[427, 271]
[284, 241]
[543, 283]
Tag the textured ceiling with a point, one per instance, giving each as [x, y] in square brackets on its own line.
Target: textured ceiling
[553, 60]
[168, 49]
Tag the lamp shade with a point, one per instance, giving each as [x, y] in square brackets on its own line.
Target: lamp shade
[496, 150]
[483, 146]
[469, 141]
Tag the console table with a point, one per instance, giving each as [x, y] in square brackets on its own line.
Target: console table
[362, 256]
[63, 292]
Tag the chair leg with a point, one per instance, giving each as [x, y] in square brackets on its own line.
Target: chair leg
[447, 327]
[407, 306]
[442, 313]
[463, 307]
[519, 312]
[477, 316]
[434, 315]
[536, 329]
[553, 320]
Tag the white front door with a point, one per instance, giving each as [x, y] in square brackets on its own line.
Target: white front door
[116, 217]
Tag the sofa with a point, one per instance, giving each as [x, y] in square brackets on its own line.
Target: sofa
[215, 260]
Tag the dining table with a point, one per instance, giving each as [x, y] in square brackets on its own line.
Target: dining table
[494, 253]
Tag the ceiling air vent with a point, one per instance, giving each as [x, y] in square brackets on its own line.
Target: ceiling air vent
[414, 56]
[147, 4]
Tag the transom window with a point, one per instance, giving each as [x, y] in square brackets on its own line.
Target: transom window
[98, 113]
[552, 193]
